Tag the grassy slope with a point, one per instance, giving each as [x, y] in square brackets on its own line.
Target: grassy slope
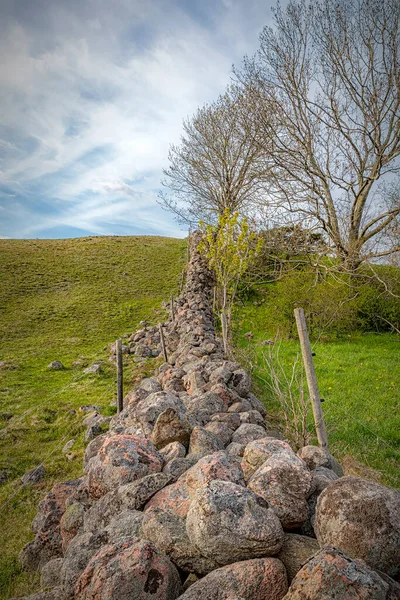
[359, 378]
[64, 299]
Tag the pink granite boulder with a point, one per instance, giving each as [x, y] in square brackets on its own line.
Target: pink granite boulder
[121, 460]
[126, 570]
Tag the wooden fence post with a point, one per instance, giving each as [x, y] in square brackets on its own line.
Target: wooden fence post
[172, 308]
[311, 378]
[120, 381]
[163, 348]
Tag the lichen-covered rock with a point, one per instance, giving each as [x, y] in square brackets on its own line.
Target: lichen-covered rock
[126, 570]
[126, 524]
[331, 574]
[295, 552]
[46, 526]
[241, 382]
[256, 579]
[149, 409]
[248, 432]
[176, 498]
[93, 447]
[230, 419]
[229, 523]
[173, 450]
[285, 482]
[168, 534]
[361, 518]
[173, 498]
[121, 460]
[241, 406]
[220, 430]
[79, 552]
[132, 496]
[50, 575]
[252, 416]
[235, 449]
[219, 466]
[207, 403]
[256, 404]
[147, 386]
[204, 442]
[169, 428]
[258, 451]
[176, 467]
[315, 457]
[71, 522]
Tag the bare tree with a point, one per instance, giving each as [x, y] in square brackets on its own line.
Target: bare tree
[331, 68]
[217, 165]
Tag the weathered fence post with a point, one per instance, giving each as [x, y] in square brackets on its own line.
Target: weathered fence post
[172, 308]
[163, 348]
[120, 381]
[311, 378]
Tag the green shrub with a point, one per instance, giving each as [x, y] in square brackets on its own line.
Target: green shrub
[334, 303]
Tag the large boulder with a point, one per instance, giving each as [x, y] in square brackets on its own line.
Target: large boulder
[284, 481]
[169, 428]
[168, 534]
[79, 552]
[229, 523]
[126, 570]
[315, 457]
[295, 552]
[176, 498]
[173, 498]
[257, 579]
[204, 442]
[126, 524]
[258, 451]
[173, 450]
[218, 466]
[361, 518]
[331, 574]
[148, 410]
[120, 460]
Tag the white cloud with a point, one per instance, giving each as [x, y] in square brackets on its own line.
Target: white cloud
[120, 78]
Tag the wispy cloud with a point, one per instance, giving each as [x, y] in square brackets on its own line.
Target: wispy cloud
[94, 92]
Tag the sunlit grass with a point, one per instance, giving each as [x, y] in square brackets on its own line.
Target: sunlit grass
[359, 379]
[65, 300]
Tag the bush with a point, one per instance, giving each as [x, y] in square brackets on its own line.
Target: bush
[335, 303]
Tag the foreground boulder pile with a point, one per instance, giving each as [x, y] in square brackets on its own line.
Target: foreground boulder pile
[190, 496]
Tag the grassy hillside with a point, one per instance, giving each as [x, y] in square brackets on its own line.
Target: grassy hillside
[65, 300]
[359, 378]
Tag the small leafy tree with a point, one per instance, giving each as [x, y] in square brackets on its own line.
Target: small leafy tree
[230, 248]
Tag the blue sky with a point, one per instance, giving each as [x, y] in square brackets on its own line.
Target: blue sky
[92, 94]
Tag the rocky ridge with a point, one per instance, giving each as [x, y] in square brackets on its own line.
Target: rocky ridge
[189, 496]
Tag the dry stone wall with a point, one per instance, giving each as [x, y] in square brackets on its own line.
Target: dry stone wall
[189, 495]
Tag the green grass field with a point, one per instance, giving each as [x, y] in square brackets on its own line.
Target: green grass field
[359, 378]
[65, 300]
